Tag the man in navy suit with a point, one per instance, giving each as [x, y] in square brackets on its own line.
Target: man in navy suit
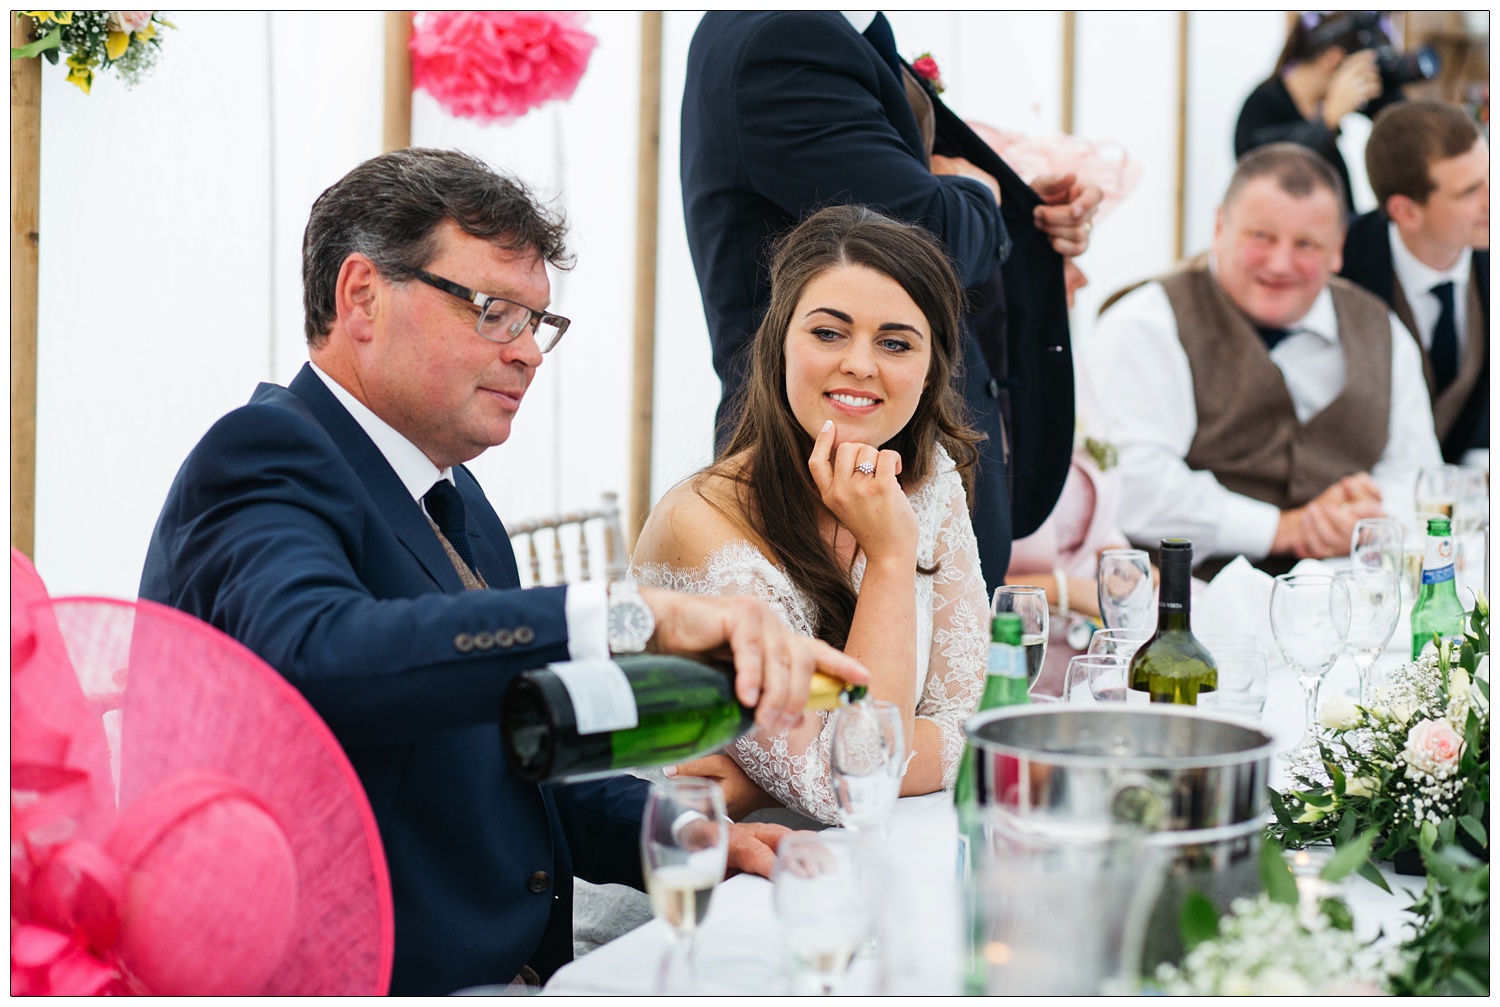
[788, 111]
[1425, 252]
[331, 527]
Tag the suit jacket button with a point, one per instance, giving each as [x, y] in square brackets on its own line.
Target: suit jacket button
[463, 643]
[504, 639]
[538, 883]
[484, 641]
[525, 634]
[994, 389]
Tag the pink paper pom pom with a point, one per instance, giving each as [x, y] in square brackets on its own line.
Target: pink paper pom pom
[495, 66]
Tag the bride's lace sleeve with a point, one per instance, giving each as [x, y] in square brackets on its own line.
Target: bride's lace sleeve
[960, 607]
[793, 766]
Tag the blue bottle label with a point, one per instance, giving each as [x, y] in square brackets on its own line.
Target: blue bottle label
[1007, 660]
[1437, 560]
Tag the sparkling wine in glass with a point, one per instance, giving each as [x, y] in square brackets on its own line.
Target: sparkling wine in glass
[1374, 608]
[1437, 490]
[1126, 595]
[684, 850]
[1310, 616]
[1030, 603]
[823, 905]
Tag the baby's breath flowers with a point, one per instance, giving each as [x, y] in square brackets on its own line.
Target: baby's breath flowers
[124, 42]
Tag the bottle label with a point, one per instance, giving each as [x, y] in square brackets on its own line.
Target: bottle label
[1007, 660]
[1437, 561]
[601, 695]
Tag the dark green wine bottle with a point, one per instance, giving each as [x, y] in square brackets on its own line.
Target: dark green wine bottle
[636, 711]
[1172, 666]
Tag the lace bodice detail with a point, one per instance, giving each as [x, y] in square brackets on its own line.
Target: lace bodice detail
[952, 644]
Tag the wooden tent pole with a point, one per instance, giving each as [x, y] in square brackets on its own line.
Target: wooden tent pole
[397, 131]
[25, 204]
[648, 167]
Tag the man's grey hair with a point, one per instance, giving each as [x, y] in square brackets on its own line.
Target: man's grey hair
[389, 209]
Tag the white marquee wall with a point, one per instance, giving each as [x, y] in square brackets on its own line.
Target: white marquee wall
[171, 219]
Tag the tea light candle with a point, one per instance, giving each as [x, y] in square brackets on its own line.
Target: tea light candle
[1306, 866]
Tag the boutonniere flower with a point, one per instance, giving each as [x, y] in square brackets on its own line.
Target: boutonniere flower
[926, 68]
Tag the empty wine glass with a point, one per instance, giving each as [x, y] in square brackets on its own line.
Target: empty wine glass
[1106, 677]
[1227, 642]
[1310, 620]
[867, 759]
[1244, 681]
[1121, 642]
[1126, 594]
[1030, 603]
[684, 850]
[1374, 608]
[1376, 543]
[822, 903]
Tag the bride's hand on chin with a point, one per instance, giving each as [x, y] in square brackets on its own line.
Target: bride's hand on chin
[872, 505]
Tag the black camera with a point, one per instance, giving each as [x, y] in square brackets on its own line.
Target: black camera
[1355, 30]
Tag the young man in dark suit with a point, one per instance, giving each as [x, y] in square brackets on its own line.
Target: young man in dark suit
[1425, 252]
[788, 111]
[331, 527]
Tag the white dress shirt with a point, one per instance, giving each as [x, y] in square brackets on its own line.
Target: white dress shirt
[1146, 385]
[585, 605]
[1417, 280]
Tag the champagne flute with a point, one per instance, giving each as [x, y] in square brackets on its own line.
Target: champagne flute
[1310, 620]
[684, 850]
[1126, 595]
[1375, 605]
[867, 759]
[1437, 490]
[1030, 603]
[822, 904]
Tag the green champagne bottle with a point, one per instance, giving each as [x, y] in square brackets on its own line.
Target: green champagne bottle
[1437, 609]
[1004, 685]
[1172, 666]
[577, 719]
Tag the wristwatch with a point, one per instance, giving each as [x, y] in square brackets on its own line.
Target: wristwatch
[631, 621]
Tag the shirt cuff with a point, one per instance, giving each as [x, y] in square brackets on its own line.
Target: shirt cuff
[586, 608]
[1247, 527]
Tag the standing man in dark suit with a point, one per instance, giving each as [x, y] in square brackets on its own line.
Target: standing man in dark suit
[1425, 252]
[788, 111]
[331, 527]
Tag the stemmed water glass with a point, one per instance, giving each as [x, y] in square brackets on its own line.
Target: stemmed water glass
[684, 850]
[1104, 677]
[1310, 620]
[1375, 606]
[1125, 589]
[867, 759]
[1030, 603]
[823, 904]
[1121, 642]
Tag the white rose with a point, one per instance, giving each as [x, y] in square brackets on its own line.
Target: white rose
[1401, 711]
[1339, 713]
[1359, 786]
[1236, 984]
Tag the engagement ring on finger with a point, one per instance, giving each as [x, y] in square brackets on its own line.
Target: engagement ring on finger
[868, 468]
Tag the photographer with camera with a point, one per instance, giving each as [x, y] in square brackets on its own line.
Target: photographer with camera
[1332, 64]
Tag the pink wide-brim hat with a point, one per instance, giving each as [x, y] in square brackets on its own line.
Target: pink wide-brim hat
[183, 822]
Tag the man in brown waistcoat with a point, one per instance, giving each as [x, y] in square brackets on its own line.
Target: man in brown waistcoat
[1260, 404]
[1425, 252]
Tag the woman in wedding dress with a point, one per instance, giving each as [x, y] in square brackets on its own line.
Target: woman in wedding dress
[841, 502]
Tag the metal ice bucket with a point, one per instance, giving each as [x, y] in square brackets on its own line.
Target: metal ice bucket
[1195, 783]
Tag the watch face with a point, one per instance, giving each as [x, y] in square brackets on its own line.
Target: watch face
[630, 625]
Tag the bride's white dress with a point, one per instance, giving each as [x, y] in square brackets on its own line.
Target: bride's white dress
[952, 647]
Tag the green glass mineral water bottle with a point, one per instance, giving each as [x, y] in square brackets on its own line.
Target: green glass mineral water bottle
[1004, 685]
[1437, 609]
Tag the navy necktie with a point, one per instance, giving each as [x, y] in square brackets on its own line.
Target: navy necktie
[446, 507]
[1270, 335]
[880, 36]
[1444, 350]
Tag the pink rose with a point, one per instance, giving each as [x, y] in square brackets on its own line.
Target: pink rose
[129, 21]
[1433, 747]
[927, 68]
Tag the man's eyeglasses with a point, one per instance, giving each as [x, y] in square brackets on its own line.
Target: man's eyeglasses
[500, 320]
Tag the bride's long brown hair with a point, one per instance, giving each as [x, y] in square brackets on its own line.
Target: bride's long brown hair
[777, 499]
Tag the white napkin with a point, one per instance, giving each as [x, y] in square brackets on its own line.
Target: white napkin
[1238, 601]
